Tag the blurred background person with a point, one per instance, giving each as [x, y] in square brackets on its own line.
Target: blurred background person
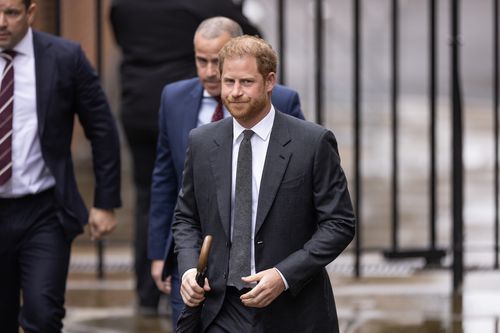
[156, 39]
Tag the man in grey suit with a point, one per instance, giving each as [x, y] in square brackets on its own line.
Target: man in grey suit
[299, 212]
[187, 104]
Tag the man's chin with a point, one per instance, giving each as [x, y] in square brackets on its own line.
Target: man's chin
[212, 88]
[239, 113]
[5, 43]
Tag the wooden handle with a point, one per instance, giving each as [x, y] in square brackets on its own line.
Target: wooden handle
[203, 260]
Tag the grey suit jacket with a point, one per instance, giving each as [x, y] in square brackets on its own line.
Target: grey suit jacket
[304, 218]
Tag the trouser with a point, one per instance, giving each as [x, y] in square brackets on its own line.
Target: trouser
[236, 317]
[35, 257]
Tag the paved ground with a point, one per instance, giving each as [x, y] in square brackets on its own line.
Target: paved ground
[391, 298]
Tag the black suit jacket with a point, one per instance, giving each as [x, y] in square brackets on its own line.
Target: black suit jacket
[304, 218]
[66, 85]
[156, 37]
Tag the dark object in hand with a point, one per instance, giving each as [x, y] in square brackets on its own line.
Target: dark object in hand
[190, 318]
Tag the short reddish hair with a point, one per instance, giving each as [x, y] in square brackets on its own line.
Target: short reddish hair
[266, 57]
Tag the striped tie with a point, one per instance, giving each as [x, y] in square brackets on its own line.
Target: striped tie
[218, 113]
[6, 108]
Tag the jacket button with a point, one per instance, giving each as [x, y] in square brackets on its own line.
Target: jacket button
[260, 242]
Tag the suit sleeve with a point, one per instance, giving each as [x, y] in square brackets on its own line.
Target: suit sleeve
[163, 189]
[186, 226]
[99, 126]
[334, 214]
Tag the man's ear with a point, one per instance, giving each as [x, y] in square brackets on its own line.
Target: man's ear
[31, 13]
[270, 81]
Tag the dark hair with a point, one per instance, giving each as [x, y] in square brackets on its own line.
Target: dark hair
[27, 3]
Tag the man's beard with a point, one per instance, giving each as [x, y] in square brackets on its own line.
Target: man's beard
[248, 109]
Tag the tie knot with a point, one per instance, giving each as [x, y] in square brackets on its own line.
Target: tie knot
[247, 134]
[8, 54]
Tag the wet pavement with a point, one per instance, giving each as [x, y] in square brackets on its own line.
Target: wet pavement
[391, 298]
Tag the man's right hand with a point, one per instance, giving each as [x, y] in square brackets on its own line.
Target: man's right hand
[192, 294]
[165, 286]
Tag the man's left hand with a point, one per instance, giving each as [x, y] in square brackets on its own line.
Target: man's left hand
[270, 285]
[101, 222]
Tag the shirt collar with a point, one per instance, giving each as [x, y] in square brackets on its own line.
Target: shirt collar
[25, 45]
[206, 94]
[262, 129]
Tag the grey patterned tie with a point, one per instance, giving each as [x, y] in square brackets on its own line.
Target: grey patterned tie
[239, 256]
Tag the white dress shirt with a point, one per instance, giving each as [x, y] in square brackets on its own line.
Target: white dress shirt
[207, 108]
[29, 173]
[260, 143]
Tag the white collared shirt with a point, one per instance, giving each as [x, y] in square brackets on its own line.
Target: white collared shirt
[29, 172]
[207, 108]
[260, 143]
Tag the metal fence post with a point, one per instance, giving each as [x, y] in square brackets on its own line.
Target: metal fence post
[357, 133]
[318, 37]
[457, 143]
[100, 246]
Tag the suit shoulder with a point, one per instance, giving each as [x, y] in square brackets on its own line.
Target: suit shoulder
[183, 84]
[208, 129]
[282, 90]
[182, 87]
[205, 134]
[60, 44]
[304, 128]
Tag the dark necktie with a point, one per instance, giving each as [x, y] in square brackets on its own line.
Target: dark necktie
[6, 110]
[239, 256]
[218, 113]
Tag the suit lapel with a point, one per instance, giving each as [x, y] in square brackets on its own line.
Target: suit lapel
[44, 72]
[277, 158]
[191, 107]
[221, 162]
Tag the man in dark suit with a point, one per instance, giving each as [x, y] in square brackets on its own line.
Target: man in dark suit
[46, 81]
[184, 106]
[156, 39]
[271, 191]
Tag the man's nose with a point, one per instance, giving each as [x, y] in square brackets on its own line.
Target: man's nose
[3, 21]
[236, 91]
[212, 69]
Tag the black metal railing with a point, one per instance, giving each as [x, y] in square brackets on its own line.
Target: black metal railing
[100, 244]
[356, 72]
[432, 253]
[457, 150]
[496, 13]
[318, 61]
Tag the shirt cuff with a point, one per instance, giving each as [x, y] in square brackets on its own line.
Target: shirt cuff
[283, 278]
[189, 270]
